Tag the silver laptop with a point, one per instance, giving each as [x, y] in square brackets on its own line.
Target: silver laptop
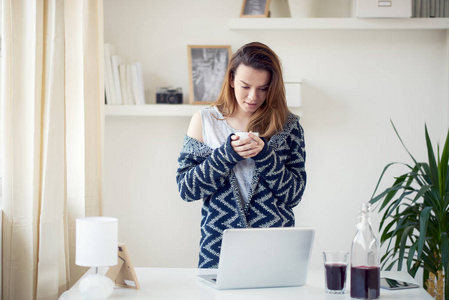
[262, 257]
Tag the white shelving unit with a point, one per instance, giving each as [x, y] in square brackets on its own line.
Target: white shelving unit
[284, 24]
[336, 23]
[161, 110]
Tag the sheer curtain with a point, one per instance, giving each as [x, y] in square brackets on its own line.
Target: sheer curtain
[52, 101]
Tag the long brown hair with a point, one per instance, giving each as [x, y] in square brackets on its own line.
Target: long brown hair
[272, 114]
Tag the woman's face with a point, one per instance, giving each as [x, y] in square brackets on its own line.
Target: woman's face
[250, 88]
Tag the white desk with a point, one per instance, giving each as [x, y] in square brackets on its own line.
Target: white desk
[157, 283]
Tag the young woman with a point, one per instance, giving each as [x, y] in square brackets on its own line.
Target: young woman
[249, 182]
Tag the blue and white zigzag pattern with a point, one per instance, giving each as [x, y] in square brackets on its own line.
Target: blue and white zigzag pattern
[277, 186]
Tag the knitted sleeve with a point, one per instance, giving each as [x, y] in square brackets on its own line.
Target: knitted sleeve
[286, 176]
[202, 170]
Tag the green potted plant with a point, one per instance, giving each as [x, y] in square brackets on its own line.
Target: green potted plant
[415, 222]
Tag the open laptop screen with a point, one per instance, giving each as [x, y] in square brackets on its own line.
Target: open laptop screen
[263, 257]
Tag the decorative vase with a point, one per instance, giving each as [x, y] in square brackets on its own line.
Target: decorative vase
[303, 8]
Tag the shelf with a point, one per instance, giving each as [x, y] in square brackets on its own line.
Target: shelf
[337, 23]
[173, 110]
[162, 110]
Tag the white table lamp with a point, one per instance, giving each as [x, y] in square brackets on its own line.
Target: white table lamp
[96, 246]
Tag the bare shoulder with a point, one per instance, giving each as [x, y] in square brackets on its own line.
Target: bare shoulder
[196, 127]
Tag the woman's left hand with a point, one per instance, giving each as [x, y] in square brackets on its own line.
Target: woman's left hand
[249, 147]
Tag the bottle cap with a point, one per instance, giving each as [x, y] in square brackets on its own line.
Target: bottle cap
[366, 207]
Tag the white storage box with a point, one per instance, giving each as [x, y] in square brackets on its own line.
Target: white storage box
[384, 8]
[293, 91]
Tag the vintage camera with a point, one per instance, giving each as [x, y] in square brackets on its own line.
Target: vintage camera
[169, 95]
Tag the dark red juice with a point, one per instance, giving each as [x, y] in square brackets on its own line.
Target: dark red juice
[335, 276]
[365, 282]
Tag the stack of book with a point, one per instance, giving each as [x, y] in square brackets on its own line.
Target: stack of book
[430, 8]
[123, 82]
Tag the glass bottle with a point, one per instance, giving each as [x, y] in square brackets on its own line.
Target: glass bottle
[365, 258]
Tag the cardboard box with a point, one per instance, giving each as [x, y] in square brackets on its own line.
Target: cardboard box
[384, 9]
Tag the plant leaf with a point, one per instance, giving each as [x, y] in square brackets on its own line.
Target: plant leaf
[442, 166]
[425, 277]
[391, 193]
[373, 198]
[423, 220]
[403, 245]
[390, 266]
[398, 232]
[414, 269]
[394, 127]
[411, 254]
[386, 234]
[432, 162]
[421, 192]
[429, 263]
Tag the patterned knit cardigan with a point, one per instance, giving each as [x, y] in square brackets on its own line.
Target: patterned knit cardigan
[276, 187]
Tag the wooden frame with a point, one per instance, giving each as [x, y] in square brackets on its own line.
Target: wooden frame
[123, 273]
[255, 8]
[207, 70]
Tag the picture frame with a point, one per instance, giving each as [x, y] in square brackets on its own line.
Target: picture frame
[123, 274]
[207, 70]
[255, 9]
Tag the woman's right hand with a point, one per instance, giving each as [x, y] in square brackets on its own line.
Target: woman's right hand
[248, 147]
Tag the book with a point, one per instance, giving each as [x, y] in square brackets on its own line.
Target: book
[107, 88]
[115, 59]
[129, 85]
[135, 85]
[124, 84]
[141, 84]
[424, 8]
[108, 77]
[418, 10]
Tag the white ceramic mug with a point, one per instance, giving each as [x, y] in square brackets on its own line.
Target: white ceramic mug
[244, 135]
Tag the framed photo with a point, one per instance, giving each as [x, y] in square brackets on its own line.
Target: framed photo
[207, 70]
[123, 273]
[255, 8]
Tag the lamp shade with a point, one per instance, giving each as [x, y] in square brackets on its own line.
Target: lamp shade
[96, 241]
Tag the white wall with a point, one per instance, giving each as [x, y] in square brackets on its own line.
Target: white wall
[354, 82]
